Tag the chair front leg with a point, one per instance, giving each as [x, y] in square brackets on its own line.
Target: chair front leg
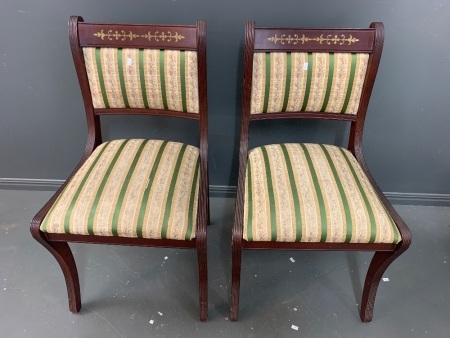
[203, 280]
[380, 262]
[61, 251]
[235, 277]
[208, 205]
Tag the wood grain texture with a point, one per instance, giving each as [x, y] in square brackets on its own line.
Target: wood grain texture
[203, 202]
[237, 239]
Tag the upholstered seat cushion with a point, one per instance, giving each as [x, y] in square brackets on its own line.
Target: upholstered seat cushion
[131, 188]
[312, 193]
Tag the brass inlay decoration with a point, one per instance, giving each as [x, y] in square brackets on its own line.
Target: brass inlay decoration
[110, 35]
[163, 36]
[329, 39]
[122, 35]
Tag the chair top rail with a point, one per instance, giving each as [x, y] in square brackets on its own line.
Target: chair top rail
[178, 37]
[314, 40]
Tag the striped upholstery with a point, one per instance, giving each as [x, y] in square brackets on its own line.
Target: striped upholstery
[312, 193]
[319, 82]
[131, 188]
[143, 78]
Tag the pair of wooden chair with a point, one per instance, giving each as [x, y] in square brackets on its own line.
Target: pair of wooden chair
[155, 193]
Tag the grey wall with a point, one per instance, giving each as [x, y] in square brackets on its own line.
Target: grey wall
[42, 126]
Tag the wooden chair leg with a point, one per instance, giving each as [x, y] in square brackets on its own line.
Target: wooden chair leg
[208, 215]
[61, 251]
[203, 282]
[380, 262]
[235, 279]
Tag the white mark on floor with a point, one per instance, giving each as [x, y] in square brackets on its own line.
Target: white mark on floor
[160, 313]
[294, 327]
[151, 321]
[385, 279]
[292, 260]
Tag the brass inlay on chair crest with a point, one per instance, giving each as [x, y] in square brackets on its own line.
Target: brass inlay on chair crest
[329, 39]
[110, 35]
[122, 35]
[163, 36]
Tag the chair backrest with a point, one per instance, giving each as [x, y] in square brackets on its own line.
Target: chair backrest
[310, 73]
[140, 69]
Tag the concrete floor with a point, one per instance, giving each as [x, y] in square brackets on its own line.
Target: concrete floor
[138, 292]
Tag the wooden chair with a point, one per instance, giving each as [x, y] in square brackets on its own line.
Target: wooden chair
[134, 192]
[312, 196]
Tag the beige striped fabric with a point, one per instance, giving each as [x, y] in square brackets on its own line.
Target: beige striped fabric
[312, 193]
[143, 78]
[131, 188]
[316, 82]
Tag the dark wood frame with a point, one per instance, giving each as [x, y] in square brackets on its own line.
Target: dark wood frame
[81, 35]
[370, 41]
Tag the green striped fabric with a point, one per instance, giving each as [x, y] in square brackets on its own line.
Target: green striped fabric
[317, 82]
[131, 188]
[143, 78]
[312, 193]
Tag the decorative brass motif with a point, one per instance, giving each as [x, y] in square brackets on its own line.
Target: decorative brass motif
[110, 35]
[163, 36]
[329, 39]
[122, 35]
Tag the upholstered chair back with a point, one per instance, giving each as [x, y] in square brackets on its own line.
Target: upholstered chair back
[314, 82]
[143, 78]
[309, 73]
